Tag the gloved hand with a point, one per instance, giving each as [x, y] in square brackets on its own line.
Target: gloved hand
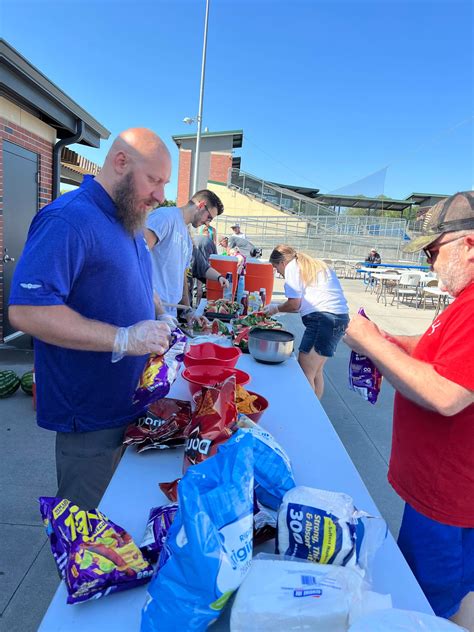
[223, 281]
[171, 321]
[271, 309]
[147, 336]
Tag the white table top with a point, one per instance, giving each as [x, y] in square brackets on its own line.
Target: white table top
[385, 276]
[299, 423]
[436, 291]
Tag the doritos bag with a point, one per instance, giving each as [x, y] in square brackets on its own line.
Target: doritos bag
[162, 425]
[211, 423]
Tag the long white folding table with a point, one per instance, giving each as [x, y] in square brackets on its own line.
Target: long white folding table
[299, 423]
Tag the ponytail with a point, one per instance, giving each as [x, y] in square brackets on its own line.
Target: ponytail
[308, 266]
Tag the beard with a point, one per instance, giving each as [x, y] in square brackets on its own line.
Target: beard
[197, 219]
[453, 278]
[125, 199]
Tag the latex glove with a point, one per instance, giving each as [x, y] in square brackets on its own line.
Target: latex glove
[271, 309]
[147, 336]
[223, 281]
[171, 321]
[202, 321]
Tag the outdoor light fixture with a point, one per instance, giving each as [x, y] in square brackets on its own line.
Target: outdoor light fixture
[188, 120]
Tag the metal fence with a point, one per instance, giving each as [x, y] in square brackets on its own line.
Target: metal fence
[336, 237]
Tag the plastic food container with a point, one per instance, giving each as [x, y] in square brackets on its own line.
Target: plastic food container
[202, 375]
[261, 403]
[208, 353]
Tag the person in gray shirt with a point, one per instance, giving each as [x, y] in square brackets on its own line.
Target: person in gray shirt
[171, 247]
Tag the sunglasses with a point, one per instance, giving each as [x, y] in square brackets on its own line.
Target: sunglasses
[432, 251]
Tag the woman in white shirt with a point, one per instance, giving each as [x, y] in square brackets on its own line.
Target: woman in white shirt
[313, 289]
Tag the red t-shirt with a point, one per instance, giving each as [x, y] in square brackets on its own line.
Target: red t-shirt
[432, 460]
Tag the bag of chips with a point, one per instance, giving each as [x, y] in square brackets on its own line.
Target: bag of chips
[209, 543]
[162, 426]
[211, 423]
[159, 522]
[94, 556]
[364, 377]
[161, 371]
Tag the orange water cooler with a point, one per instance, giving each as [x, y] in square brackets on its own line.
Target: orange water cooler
[257, 275]
[223, 264]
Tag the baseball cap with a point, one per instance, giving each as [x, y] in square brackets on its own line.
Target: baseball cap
[236, 226]
[448, 215]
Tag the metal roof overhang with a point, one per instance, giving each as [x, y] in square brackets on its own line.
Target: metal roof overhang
[306, 191]
[376, 204]
[26, 85]
[237, 137]
[421, 198]
[74, 167]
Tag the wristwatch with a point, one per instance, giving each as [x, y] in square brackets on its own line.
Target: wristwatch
[221, 276]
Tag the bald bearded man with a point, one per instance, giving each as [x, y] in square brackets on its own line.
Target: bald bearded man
[83, 290]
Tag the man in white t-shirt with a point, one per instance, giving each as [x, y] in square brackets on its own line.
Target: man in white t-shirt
[237, 232]
[171, 246]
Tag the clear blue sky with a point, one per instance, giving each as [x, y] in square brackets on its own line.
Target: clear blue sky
[326, 92]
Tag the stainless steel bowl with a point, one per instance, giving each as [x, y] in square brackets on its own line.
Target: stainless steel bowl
[271, 345]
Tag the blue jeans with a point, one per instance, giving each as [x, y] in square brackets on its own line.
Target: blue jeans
[323, 332]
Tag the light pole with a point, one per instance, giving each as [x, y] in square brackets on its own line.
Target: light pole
[201, 98]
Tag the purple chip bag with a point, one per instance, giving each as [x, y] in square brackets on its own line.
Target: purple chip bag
[364, 377]
[161, 371]
[159, 521]
[94, 556]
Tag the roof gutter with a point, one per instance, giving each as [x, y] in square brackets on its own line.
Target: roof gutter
[78, 136]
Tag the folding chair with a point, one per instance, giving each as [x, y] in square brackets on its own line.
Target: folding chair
[407, 288]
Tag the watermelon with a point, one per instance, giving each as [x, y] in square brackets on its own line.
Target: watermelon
[9, 383]
[26, 382]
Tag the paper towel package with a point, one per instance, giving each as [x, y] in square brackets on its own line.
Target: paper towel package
[324, 527]
[280, 594]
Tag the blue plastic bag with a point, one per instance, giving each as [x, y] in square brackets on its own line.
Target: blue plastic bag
[273, 472]
[209, 544]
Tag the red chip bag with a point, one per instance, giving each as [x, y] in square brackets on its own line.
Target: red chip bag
[211, 423]
[162, 425]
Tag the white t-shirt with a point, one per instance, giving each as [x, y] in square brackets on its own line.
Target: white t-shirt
[325, 296]
[171, 255]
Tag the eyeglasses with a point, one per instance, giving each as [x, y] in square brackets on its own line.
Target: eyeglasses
[432, 251]
[210, 216]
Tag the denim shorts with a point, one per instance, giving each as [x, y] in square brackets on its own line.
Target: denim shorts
[441, 558]
[323, 332]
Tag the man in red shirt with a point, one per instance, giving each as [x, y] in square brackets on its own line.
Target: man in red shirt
[432, 459]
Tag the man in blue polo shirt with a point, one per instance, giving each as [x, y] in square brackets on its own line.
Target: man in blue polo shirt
[83, 290]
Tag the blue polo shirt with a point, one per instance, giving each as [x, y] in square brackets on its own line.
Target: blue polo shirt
[78, 254]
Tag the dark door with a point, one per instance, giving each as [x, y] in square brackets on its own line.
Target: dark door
[20, 203]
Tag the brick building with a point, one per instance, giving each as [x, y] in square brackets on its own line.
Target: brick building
[216, 158]
[37, 121]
